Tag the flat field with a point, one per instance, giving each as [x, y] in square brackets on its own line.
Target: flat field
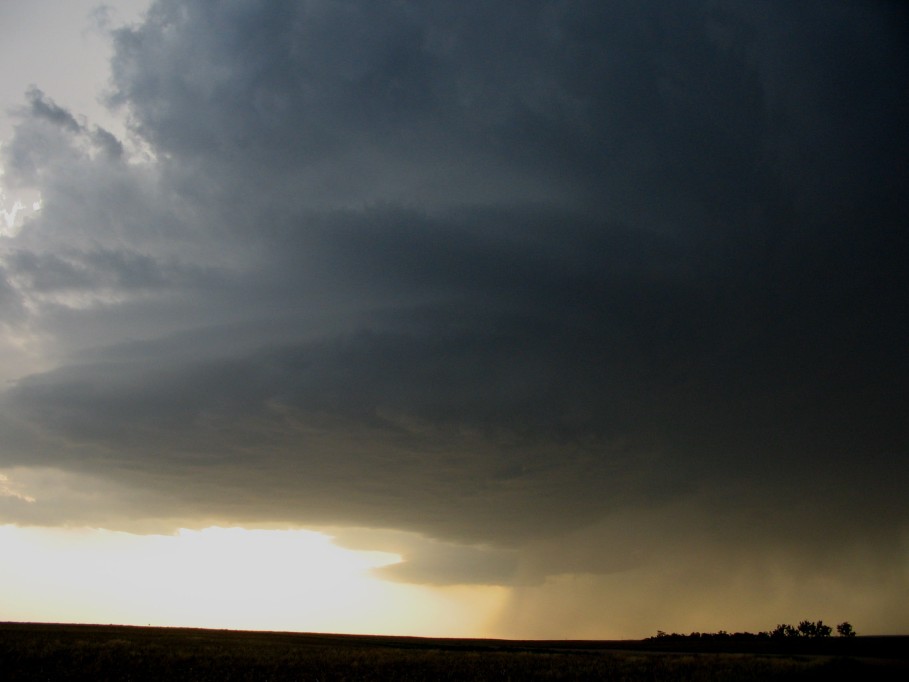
[32, 651]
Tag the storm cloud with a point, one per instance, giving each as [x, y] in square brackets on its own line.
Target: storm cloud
[560, 288]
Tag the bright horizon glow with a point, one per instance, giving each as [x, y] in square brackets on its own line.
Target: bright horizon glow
[232, 578]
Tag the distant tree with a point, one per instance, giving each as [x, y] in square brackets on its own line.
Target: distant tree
[784, 630]
[807, 629]
[845, 629]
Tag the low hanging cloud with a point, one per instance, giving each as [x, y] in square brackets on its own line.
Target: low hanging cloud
[523, 282]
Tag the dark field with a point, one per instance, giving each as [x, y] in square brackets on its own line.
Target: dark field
[73, 652]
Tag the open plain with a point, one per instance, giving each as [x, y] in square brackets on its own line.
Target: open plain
[32, 651]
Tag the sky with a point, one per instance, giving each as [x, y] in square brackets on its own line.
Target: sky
[542, 319]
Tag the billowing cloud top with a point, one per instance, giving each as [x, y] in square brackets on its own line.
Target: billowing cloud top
[507, 275]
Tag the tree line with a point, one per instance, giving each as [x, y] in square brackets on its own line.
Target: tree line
[806, 629]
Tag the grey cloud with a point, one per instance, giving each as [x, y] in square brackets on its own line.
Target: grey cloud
[428, 561]
[426, 89]
[108, 141]
[455, 565]
[75, 271]
[11, 308]
[484, 444]
[510, 278]
[50, 135]
[45, 108]
[325, 422]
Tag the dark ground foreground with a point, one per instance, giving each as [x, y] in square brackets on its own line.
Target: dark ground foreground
[101, 652]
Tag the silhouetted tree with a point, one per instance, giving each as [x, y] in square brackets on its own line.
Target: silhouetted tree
[844, 629]
[807, 629]
[784, 630]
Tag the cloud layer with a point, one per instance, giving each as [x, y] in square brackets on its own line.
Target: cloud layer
[546, 281]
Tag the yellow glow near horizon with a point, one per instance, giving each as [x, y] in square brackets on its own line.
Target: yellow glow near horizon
[224, 578]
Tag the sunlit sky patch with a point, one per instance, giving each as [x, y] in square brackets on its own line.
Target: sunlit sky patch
[223, 578]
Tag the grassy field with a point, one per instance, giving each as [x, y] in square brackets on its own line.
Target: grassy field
[74, 652]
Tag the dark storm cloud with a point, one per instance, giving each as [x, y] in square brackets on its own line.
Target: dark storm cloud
[493, 275]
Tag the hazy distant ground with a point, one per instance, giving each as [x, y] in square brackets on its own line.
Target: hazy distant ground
[57, 652]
